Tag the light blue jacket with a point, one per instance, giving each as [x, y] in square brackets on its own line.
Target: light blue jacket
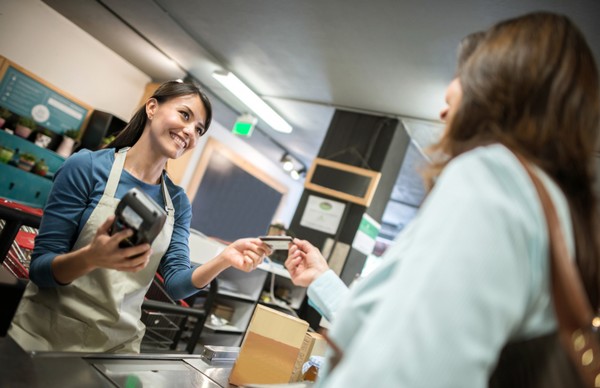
[470, 273]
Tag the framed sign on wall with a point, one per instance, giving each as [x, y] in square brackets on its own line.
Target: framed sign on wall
[28, 95]
[343, 181]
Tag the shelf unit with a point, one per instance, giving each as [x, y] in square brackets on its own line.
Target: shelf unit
[281, 280]
[23, 186]
[239, 291]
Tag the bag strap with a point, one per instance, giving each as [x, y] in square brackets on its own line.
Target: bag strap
[572, 304]
[577, 325]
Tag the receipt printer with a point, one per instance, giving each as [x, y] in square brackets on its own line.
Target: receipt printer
[140, 213]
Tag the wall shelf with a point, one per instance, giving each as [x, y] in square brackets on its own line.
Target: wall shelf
[23, 186]
[52, 159]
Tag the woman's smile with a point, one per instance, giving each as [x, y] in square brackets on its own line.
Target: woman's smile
[181, 143]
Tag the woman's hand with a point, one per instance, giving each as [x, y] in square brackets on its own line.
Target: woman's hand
[104, 250]
[305, 263]
[246, 253]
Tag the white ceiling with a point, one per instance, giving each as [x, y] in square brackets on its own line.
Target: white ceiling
[307, 57]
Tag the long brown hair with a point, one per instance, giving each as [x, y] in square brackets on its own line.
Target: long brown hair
[168, 90]
[466, 48]
[532, 85]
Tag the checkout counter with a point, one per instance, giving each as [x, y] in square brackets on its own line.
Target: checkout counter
[49, 370]
[19, 368]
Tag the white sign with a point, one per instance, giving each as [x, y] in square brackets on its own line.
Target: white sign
[322, 214]
[40, 113]
[364, 240]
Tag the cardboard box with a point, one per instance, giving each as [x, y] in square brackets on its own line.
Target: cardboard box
[270, 348]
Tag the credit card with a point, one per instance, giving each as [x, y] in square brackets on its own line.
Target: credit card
[277, 242]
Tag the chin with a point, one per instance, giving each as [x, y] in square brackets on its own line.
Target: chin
[177, 154]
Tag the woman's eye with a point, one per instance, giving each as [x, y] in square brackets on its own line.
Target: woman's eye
[200, 131]
[185, 115]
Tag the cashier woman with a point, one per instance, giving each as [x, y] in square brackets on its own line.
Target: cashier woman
[86, 292]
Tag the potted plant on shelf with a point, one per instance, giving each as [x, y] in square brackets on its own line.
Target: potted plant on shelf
[5, 114]
[25, 126]
[40, 168]
[72, 133]
[43, 137]
[6, 154]
[69, 140]
[26, 161]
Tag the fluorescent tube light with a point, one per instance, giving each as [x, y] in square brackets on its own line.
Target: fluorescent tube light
[253, 101]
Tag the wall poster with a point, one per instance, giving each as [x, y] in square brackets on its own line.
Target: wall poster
[28, 95]
[322, 214]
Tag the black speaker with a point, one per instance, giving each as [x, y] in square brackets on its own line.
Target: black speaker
[100, 125]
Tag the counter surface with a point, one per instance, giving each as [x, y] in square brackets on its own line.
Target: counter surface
[29, 369]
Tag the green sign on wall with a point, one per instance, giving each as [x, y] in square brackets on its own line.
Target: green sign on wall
[366, 235]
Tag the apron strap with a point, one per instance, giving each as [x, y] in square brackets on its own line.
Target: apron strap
[167, 198]
[115, 172]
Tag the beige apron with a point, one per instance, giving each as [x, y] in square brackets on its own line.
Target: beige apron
[98, 312]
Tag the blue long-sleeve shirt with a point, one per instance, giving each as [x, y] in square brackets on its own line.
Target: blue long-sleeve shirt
[78, 187]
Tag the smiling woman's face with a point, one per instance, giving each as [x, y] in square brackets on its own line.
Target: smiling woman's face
[176, 124]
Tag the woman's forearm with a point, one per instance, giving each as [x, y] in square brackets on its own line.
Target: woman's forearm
[204, 274]
[72, 265]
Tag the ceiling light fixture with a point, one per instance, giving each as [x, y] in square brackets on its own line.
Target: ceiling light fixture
[287, 163]
[295, 174]
[290, 164]
[252, 100]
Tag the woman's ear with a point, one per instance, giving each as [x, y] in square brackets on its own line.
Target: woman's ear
[151, 106]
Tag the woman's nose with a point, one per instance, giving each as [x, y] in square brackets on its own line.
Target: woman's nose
[190, 133]
[189, 130]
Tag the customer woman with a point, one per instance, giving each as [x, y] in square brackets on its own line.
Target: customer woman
[86, 292]
[471, 273]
